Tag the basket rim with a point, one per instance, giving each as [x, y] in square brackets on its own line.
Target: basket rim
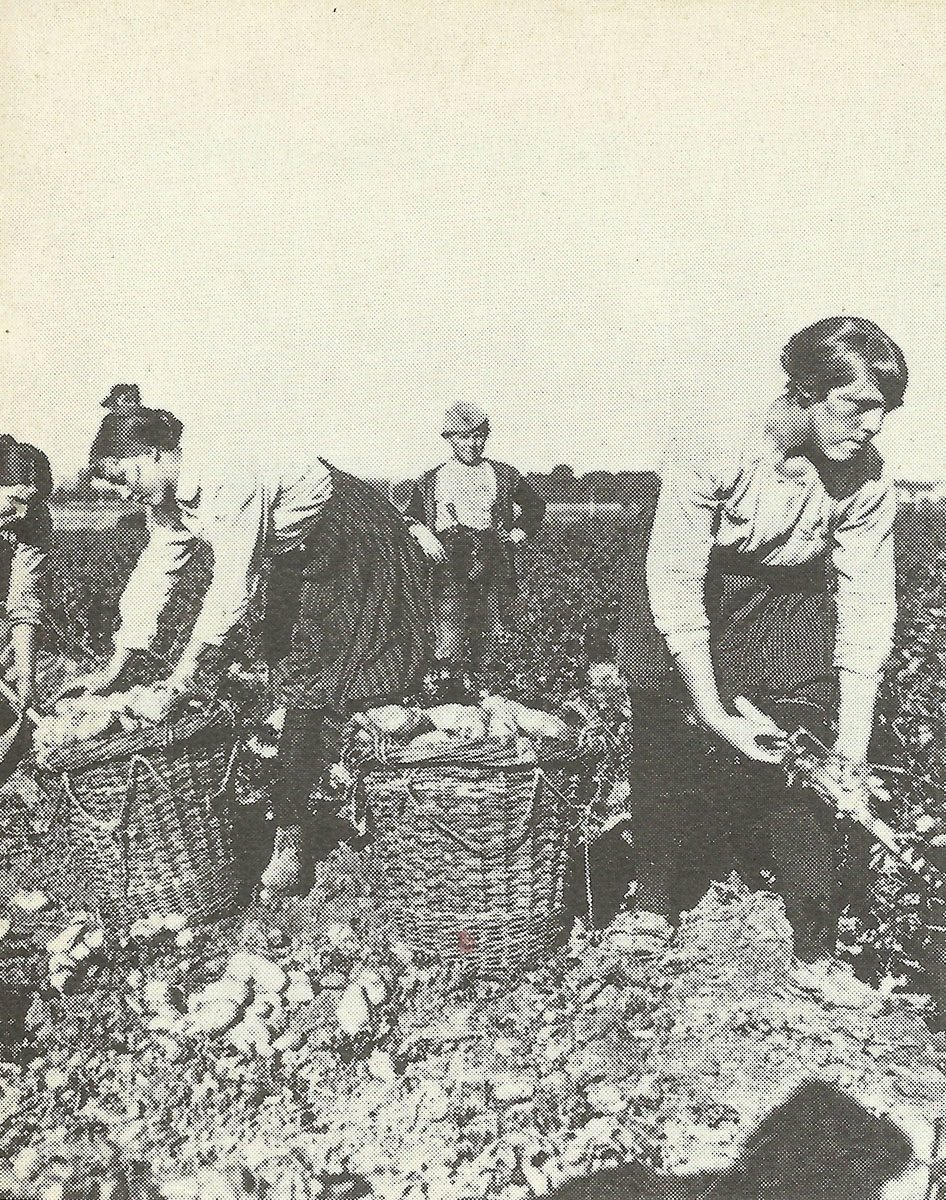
[115, 746]
[576, 755]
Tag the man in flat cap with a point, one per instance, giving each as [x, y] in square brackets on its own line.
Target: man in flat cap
[468, 514]
[122, 397]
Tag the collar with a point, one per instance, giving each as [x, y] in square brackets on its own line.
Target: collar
[793, 466]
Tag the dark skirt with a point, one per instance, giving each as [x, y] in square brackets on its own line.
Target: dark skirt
[347, 620]
[771, 629]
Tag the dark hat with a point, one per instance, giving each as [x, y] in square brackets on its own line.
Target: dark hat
[123, 395]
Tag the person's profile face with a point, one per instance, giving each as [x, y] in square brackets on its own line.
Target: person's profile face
[137, 477]
[468, 447]
[846, 419]
[15, 500]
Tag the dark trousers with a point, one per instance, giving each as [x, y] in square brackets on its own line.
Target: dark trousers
[301, 764]
[702, 811]
[473, 597]
[469, 617]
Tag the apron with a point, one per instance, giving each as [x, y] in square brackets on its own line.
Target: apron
[346, 621]
[772, 629]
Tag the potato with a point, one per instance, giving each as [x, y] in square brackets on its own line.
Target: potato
[537, 723]
[236, 991]
[395, 720]
[63, 942]
[216, 1017]
[266, 976]
[430, 745]
[449, 718]
[502, 725]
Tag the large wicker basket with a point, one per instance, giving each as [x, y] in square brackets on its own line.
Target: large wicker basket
[472, 857]
[139, 823]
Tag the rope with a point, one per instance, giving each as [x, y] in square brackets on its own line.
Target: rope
[211, 799]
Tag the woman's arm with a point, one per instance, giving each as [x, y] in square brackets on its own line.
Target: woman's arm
[235, 517]
[865, 575]
[24, 641]
[26, 600]
[166, 555]
[678, 557]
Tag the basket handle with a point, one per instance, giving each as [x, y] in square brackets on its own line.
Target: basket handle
[115, 825]
[436, 817]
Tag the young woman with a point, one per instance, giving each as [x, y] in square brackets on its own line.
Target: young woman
[345, 621]
[25, 529]
[770, 575]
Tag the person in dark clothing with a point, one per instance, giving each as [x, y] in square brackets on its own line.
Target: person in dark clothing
[469, 514]
[769, 576]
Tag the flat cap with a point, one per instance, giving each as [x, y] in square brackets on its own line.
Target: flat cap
[464, 418]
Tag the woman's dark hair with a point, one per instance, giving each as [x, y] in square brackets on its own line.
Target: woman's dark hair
[131, 431]
[22, 465]
[834, 352]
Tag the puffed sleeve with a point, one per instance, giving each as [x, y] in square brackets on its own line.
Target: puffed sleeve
[681, 543]
[235, 515]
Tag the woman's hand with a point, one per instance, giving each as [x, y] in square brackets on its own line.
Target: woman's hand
[98, 682]
[751, 732]
[154, 703]
[428, 542]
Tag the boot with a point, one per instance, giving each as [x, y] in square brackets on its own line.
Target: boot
[284, 872]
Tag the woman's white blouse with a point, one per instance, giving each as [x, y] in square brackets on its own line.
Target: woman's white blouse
[245, 511]
[740, 493]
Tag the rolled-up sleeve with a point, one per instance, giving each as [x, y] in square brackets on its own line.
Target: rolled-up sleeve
[680, 547]
[865, 580]
[26, 595]
[29, 567]
[159, 567]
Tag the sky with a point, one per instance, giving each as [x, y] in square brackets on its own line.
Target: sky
[323, 223]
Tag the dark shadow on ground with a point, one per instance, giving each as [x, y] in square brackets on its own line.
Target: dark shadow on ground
[819, 1145]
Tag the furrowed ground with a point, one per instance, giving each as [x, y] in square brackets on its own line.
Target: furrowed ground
[376, 1073]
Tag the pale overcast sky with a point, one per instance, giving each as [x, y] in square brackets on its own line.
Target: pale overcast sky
[327, 221]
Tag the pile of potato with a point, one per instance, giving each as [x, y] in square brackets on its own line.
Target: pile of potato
[71, 951]
[419, 733]
[249, 1005]
[76, 719]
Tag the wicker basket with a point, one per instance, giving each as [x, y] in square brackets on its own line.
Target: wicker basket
[472, 857]
[139, 823]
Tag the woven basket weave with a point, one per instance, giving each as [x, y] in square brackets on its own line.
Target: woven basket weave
[473, 857]
[139, 823]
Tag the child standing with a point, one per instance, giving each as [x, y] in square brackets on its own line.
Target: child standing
[469, 514]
